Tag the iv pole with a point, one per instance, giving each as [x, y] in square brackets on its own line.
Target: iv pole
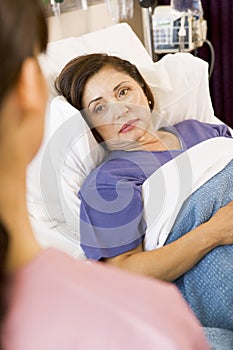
[150, 6]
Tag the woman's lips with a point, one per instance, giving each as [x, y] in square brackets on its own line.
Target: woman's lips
[128, 126]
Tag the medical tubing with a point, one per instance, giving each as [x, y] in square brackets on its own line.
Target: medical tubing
[212, 53]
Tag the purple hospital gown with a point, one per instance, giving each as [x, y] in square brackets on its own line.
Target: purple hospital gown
[111, 212]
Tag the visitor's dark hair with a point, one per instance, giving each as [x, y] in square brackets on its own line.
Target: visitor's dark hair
[23, 33]
[74, 76]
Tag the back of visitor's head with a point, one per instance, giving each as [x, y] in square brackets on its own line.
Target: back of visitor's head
[23, 33]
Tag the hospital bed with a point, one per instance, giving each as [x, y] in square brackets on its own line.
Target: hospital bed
[69, 152]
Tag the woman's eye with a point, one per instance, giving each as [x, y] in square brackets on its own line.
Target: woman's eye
[123, 92]
[99, 109]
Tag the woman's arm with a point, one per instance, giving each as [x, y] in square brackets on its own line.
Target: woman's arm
[173, 260]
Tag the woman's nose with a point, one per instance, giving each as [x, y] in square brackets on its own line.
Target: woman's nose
[118, 109]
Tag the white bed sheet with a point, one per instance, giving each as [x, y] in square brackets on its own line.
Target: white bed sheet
[166, 190]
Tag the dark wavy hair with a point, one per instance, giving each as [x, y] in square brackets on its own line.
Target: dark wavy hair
[74, 76]
[23, 32]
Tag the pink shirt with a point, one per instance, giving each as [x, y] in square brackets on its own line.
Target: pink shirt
[61, 304]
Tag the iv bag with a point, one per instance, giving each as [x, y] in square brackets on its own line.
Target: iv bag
[187, 7]
[120, 9]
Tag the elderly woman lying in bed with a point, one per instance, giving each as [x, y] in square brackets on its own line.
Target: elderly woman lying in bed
[197, 251]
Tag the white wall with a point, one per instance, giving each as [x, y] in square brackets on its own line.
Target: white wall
[78, 22]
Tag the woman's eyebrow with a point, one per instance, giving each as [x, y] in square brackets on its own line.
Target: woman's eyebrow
[122, 82]
[96, 99]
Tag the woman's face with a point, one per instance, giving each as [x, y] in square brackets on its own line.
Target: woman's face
[117, 108]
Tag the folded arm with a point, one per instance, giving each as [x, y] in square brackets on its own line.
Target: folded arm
[173, 260]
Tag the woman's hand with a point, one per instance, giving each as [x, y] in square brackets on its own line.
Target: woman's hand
[222, 225]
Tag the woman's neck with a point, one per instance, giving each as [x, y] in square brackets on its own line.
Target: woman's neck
[13, 213]
[158, 141]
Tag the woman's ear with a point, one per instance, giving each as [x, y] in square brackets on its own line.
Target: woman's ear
[31, 87]
[31, 95]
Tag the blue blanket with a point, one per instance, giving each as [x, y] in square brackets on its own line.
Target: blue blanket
[208, 286]
[219, 339]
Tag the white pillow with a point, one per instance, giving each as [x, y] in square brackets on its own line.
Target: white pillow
[69, 152]
[118, 40]
[180, 85]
